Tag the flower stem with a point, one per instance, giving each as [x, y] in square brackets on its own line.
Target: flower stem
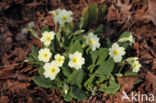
[122, 65]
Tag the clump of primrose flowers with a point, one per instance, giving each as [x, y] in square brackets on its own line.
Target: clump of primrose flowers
[74, 61]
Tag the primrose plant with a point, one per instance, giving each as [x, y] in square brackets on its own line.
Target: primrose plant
[80, 62]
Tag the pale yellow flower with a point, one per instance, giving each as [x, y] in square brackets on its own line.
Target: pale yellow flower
[116, 52]
[44, 55]
[59, 59]
[76, 60]
[51, 70]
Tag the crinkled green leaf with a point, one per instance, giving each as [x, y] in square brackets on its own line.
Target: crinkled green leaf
[68, 97]
[66, 71]
[34, 51]
[33, 56]
[89, 82]
[94, 56]
[45, 29]
[105, 68]
[43, 82]
[40, 71]
[78, 93]
[100, 80]
[76, 77]
[111, 89]
[76, 46]
[102, 55]
[91, 68]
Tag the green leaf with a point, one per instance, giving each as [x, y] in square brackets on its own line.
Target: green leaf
[67, 28]
[105, 68]
[76, 46]
[88, 49]
[58, 36]
[125, 34]
[67, 97]
[34, 51]
[45, 29]
[108, 42]
[43, 82]
[111, 89]
[89, 15]
[125, 45]
[119, 75]
[100, 80]
[58, 82]
[33, 56]
[99, 30]
[76, 77]
[88, 83]
[79, 32]
[91, 68]
[81, 22]
[40, 71]
[102, 55]
[34, 33]
[78, 93]
[94, 56]
[102, 9]
[66, 71]
[138, 81]
[129, 73]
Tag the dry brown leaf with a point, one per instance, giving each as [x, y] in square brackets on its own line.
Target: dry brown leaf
[151, 11]
[4, 99]
[154, 64]
[150, 77]
[127, 83]
[33, 4]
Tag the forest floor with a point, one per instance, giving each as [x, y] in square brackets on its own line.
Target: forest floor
[16, 83]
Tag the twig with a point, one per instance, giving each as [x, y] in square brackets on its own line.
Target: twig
[85, 2]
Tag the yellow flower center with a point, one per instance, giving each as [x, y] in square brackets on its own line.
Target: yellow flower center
[75, 60]
[48, 38]
[116, 52]
[45, 55]
[59, 59]
[134, 66]
[52, 70]
[64, 18]
[91, 42]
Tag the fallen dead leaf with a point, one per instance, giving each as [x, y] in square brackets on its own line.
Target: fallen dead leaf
[150, 77]
[127, 83]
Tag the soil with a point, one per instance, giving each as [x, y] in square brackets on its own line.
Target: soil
[16, 83]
